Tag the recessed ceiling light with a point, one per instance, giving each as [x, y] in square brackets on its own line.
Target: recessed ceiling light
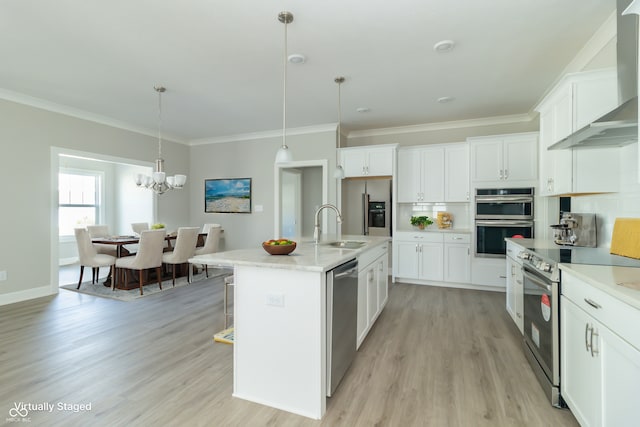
[445, 99]
[296, 58]
[363, 109]
[444, 46]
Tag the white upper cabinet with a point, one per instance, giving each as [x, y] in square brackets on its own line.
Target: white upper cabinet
[437, 173]
[577, 100]
[501, 160]
[368, 161]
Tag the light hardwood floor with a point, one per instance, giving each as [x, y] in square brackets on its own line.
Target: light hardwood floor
[436, 357]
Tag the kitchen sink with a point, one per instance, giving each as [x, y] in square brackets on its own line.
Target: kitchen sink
[346, 244]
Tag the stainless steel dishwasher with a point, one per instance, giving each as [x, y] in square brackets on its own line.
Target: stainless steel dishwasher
[342, 317]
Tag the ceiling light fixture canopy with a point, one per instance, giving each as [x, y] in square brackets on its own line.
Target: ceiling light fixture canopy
[159, 182]
[339, 172]
[284, 154]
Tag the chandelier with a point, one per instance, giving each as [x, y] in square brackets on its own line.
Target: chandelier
[159, 182]
[284, 154]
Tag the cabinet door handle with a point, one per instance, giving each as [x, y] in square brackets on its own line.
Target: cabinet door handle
[592, 303]
[594, 350]
[501, 175]
[587, 345]
[417, 248]
[518, 314]
[506, 174]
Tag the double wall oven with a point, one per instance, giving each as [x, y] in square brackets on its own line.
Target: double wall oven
[500, 213]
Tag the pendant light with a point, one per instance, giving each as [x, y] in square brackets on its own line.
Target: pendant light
[284, 153]
[339, 172]
[159, 182]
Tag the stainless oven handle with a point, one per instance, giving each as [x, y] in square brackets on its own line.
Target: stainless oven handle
[503, 199]
[502, 223]
[536, 281]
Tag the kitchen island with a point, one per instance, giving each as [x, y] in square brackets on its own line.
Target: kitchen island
[280, 304]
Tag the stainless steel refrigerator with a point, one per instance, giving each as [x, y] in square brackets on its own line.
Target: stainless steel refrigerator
[366, 206]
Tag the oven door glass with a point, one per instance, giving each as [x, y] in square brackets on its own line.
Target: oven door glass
[490, 236]
[538, 319]
[504, 207]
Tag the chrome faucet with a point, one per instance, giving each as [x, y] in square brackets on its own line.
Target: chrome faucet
[316, 228]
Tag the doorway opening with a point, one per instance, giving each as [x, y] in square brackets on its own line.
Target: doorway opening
[300, 188]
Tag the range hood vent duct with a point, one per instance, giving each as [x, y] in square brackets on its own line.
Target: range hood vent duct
[620, 126]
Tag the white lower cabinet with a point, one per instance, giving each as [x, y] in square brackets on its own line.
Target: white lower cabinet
[599, 359]
[437, 257]
[515, 286]
[373, 282]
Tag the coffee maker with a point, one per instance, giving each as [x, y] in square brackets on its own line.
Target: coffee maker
[575, 229]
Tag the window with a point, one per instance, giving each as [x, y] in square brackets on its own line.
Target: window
[78, 200]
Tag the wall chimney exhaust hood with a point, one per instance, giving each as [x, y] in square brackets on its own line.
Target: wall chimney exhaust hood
[620, 126]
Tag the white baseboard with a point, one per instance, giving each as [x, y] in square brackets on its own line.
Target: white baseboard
[25, 295]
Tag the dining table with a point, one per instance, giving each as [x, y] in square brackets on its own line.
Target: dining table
[120, 241]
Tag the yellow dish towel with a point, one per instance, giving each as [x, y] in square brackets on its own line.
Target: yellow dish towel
[625, 240]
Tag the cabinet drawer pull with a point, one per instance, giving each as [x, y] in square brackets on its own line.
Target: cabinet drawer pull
[592, 303]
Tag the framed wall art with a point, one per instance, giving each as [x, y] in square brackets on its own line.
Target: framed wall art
[227, 195]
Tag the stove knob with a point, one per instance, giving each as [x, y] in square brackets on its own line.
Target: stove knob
[544, 266]
[524, 255]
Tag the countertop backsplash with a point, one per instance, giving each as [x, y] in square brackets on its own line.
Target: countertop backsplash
[461, 213]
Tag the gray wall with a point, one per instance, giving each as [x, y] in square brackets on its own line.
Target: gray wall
[252, 159]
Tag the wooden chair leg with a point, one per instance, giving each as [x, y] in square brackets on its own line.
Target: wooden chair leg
[113, 271]
[206, 271]
[81, 273]
[140, 282]
[159, 274]
[173, 274]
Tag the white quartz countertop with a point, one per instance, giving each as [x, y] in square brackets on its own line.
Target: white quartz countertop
[307, 256]
[535, 243]
[622, 283]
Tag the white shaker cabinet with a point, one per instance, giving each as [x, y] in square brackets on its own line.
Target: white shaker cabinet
[368, 161]
[600, 358]
[501, 160]
[515, 286]
[432, 256]
[437, 173]
[577, 100]
[419, 256]
[372, 288]
[457, 258]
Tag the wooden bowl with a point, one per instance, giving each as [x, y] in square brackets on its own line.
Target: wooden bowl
[279, 249]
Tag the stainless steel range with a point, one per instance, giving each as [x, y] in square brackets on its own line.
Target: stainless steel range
[542, 286]
[541, 321]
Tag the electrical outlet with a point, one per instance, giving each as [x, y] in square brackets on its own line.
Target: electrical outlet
[3, 275]
[276, 300]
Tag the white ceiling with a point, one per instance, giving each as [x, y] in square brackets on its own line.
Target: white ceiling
[222, 61]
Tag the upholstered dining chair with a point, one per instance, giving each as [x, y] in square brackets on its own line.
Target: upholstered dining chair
[89, 257]
[149, 256]
[184, 249]
[102, 231]
[137, 227]
[211, 244]
[206, 227]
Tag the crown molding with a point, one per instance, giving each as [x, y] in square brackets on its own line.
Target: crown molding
[43, 104]
[329, 127]
[455, 124]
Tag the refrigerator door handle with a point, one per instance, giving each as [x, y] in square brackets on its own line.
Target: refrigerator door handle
[365, 214]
